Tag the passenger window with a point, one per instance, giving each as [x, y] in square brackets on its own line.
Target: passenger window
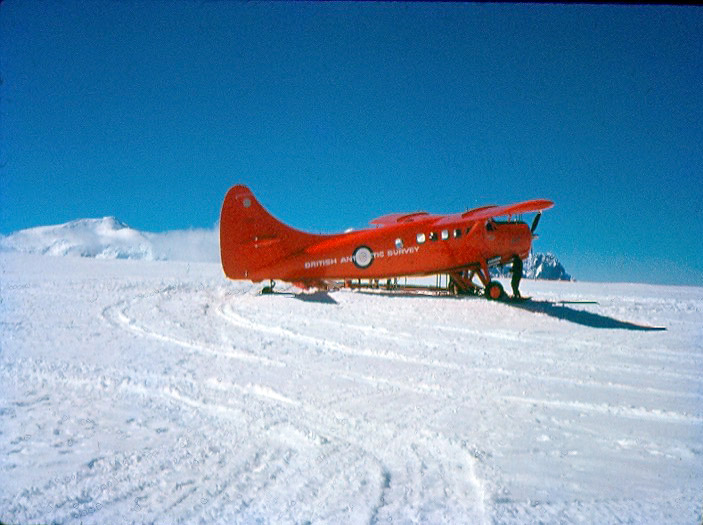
[457, 233]
[445, 235]
[420, 238]
[399, 244]
[433, 236]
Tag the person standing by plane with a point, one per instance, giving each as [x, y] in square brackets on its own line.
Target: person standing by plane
[517, 275]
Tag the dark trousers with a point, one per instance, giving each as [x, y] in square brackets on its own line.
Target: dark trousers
[515, 282]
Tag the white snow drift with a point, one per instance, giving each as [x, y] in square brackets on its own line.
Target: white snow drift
[159, 392]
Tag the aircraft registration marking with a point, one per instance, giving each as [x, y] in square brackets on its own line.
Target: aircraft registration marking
[320, 263]
[331, 261]
[403, 251]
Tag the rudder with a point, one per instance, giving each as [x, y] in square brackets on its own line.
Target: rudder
[251, 239]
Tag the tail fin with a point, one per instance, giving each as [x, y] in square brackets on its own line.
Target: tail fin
[251, 239]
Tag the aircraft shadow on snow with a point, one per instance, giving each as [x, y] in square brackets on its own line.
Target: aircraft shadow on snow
[559, 311]
[551, 308]
[317, 297]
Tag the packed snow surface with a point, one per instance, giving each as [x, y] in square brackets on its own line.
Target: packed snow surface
[137, 391]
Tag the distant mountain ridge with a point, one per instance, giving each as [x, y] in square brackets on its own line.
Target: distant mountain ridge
[538, 266]
[110, 238]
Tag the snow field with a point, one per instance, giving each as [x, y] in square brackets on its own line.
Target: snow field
[160, 392]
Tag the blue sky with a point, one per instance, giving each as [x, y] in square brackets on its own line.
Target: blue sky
[337, 113]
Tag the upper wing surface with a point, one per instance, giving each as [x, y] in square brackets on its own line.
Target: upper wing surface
[400, 218]
[477, 214]
[511, 209]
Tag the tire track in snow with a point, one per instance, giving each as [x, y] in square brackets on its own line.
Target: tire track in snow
[392, 448]
[468, 493]
[238, 320]
[440, 391]
[435, 389]
[378, 332]
[663, 416]
[659, 357]
[150, 386]
[421, 388]
[293, 415]
[521, 338]
[399, 476]
[117, 316]
[230, 411]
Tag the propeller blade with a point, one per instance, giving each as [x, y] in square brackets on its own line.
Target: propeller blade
[535, 222]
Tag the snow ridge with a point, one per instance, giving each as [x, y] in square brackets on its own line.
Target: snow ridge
[110, 238]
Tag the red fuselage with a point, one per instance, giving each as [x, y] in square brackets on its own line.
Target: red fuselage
[418, 248]
[256, 246]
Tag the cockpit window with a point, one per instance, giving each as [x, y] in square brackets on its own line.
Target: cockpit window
[420, 238]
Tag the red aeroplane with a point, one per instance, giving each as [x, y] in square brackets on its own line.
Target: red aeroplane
[256, 246]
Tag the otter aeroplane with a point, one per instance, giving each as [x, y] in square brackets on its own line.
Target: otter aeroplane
[257, 247]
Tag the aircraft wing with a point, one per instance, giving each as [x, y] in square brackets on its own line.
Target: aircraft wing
[477, 214]
[487, 212]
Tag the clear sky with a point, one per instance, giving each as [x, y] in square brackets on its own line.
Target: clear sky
[336, 113]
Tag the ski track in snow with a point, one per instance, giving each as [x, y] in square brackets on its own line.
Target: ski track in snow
[144, 392]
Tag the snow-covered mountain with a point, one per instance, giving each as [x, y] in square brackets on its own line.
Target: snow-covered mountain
[538, 266]
[110, 238]
[545, 266]
[106, 238]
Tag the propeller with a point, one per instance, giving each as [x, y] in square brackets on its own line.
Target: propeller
[535, 222]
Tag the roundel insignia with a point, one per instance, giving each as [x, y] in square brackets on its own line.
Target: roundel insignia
[363, 257]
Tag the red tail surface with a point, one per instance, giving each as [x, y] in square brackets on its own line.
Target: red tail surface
[251, 239]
